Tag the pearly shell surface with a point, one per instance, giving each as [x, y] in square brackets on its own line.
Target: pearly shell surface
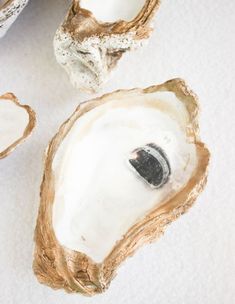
[89, 270]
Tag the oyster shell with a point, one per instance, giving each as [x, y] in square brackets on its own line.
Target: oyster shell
[97, 206]
[16, 123]
[93, 37]
[9, 11]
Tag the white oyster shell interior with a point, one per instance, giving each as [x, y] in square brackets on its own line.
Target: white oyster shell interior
[98, 197]
[113, 10]
[13, 122]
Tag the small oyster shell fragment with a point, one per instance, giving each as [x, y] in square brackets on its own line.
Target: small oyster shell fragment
[9, 11]
[94, 36]
[96, 207]
[16, 123]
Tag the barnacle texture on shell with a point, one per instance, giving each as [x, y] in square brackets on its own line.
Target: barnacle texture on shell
[16, 123]
[9, 11]
[94, 35]
[119, 170]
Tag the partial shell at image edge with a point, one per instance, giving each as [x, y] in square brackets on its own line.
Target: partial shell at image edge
[28, 129]
[9, 11]
[60, 267]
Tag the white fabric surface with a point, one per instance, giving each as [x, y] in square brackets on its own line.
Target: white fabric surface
[195, 260]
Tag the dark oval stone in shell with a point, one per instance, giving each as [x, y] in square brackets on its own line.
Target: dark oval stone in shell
[151, 163]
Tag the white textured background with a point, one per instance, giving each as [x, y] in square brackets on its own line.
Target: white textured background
[195, 261]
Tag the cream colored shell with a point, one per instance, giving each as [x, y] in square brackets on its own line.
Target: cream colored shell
[60, 267]
[26, 128]
[9, 11]
[89, 49]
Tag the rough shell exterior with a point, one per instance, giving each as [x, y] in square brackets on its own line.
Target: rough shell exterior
[9, 12]
[59, 267]
[28, 129]
[89, 50]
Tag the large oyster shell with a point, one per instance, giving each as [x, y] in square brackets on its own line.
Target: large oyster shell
[96, 209]
[89, 48]
[16, 123]
[9, 11]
